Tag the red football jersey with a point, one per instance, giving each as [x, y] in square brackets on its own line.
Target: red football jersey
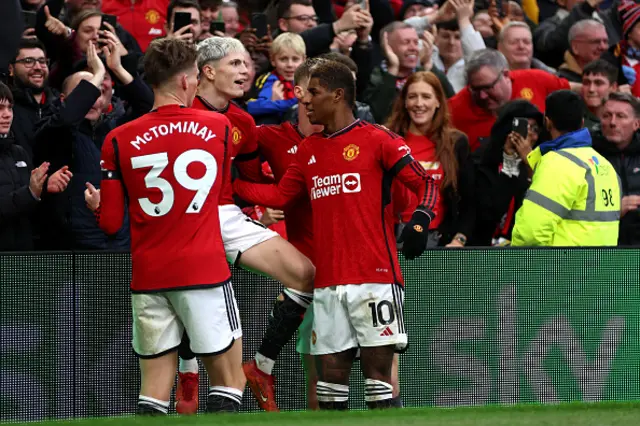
[348, 176]
[476, 123]
[279, 145]
[170, 164]
[243, 144]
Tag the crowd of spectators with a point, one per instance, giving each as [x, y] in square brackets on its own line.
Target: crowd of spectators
[449, 76]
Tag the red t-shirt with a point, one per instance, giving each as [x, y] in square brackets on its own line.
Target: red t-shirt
[143, 19]
[279, 145]
[532, 85]
[423, 150]
[170, 164]
[344, 175]
[243, 144]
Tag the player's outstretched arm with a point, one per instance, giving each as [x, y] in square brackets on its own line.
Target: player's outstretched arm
[290, 187]
[110, 213]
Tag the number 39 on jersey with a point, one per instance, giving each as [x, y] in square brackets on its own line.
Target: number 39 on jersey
[159, 162]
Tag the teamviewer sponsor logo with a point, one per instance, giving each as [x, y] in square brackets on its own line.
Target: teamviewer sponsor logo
[324, 186]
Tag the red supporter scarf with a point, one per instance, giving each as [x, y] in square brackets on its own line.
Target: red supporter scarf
[287, 85]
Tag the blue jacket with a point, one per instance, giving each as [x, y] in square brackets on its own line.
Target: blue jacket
[578, 139]
[264, 105]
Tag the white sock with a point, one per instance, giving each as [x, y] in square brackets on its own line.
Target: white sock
[264, 364]
[376, 390]
[301, 298]
[229, 393]
[156, 404]
[188, 365]
[331, 392]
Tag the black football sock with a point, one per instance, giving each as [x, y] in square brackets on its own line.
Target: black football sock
[378, 394]
[184, 350]
[286, 317]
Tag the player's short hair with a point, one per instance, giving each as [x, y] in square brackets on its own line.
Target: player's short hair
[288, 41]
[303, 72]
[601, 67]
[182, 4]
[333, 76]
[285, 5]
[343, 59]
[82, 16]
[564, 109]
[5, 93]
[215, 48]
[627, 98]
[165, 58]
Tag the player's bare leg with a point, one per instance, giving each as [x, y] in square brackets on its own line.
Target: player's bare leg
[395, 381]
[226, 380]
[376, 367]
[281, 261]
[157, 376]
[333, 379]
[311, 375]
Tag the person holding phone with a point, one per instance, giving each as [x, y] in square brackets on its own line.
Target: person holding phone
[184, 20]
[502, 176]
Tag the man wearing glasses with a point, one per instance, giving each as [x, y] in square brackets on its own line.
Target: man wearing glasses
[490, 84]
[29, 72]
[299, 16]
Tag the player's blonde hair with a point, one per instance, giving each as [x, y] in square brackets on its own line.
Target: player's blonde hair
[288, 41]
[213, 49]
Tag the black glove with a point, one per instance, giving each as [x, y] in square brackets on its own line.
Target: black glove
[415, 234]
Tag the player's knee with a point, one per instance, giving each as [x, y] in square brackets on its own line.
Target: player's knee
[304, 273]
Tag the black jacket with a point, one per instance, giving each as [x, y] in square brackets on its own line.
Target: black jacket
[67, 138]
[495, 190]
[460, 203]
[17, 203]
[627, 165]
[26, 114]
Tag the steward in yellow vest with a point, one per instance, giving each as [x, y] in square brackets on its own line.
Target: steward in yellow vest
[574, 197]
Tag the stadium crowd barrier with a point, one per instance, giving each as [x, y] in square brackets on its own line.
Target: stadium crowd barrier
[485, 326]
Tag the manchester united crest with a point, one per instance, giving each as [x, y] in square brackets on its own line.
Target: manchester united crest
[152, 16]
[526, 93]
[314, 338]
[236, 135]
[350, 152]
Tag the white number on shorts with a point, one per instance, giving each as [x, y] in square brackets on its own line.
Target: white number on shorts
[378, 314]
[158, 162]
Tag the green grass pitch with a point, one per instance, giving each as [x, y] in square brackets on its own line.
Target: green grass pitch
[595, 414]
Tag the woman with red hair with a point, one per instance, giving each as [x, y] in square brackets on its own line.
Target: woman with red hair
[420, 115]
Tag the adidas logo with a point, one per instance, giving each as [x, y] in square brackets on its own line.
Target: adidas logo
[293, 150]
[312, 160]
[387, 332]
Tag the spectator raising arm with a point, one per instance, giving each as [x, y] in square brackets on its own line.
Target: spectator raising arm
[10, 33]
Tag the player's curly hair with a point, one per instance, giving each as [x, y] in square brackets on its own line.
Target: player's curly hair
[333, 76]
[165, 58]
